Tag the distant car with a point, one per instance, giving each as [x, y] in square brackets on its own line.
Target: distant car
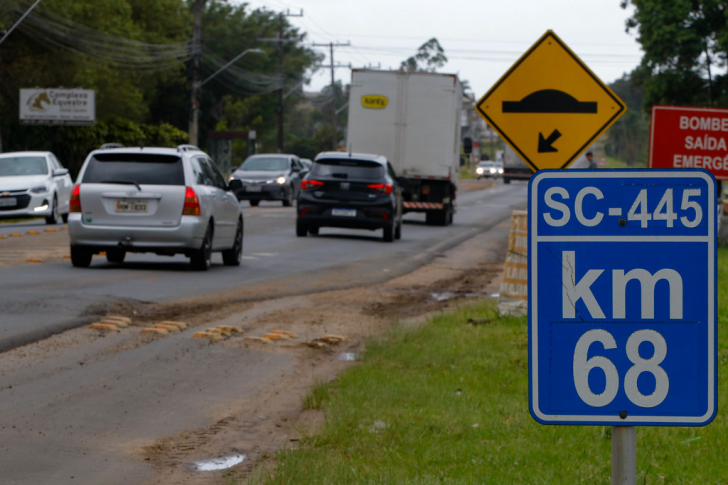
[499, 168]
[34, 184]
[488, 170]
[269, 177]
[350, 190]
[160, 200]
[306, 163]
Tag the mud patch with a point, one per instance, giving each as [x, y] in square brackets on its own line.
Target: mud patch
[411, 302]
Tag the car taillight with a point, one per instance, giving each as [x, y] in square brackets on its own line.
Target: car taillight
[192, 203]
[75, 203]
[383, 188]
[311, 184]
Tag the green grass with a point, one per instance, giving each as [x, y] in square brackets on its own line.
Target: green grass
[316, 396]
[615, 163]
[466, 173]
[448, 403]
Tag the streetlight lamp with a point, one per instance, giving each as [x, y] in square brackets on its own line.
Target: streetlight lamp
[196, 91]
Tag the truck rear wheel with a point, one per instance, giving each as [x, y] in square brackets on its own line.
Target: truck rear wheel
[437, 218]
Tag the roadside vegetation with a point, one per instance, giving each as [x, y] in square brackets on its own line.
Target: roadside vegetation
[467, 172]
[448, 403]
[141, 68]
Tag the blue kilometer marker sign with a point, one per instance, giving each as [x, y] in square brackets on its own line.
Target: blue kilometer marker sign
[622, 297]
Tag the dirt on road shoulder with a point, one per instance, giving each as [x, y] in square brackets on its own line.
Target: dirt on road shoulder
[258, 426]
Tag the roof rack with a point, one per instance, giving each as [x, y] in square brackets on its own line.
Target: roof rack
[107, 146]
[187, 148]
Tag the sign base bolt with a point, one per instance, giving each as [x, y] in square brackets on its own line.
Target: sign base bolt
[622, 221]
[623, 414]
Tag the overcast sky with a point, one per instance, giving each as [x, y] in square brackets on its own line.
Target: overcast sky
[481, 38]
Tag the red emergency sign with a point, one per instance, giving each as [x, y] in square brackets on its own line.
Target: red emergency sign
[687, 137]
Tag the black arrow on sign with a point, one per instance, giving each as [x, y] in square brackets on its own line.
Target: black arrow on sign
[544, 145]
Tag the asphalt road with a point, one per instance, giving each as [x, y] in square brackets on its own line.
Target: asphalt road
[73, 415]
[39, 300]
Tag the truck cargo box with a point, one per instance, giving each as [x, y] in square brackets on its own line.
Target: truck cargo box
[413, 119]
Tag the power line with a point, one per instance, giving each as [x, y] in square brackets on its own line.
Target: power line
[57, 31]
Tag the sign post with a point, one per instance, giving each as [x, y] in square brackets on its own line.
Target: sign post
[622, 301]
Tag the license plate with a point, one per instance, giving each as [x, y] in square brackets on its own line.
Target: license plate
[343, 212]
[131, 206]
[253, 188]
[9, 202]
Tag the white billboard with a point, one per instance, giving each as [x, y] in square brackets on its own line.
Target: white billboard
[58, 106]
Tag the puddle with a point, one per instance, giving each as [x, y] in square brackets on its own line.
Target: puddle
[447, 295]
[348, 356]
[219, 463]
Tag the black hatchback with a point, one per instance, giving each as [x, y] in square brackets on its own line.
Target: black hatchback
[350, 190]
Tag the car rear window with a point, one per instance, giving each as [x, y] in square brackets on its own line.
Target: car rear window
[19, 166]
[347, 169]
[265, 164]
[136, 168]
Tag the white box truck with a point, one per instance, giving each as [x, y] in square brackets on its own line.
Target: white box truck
[514, 168]
[413, 119]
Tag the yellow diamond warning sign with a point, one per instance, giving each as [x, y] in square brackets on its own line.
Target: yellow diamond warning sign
[549, 106]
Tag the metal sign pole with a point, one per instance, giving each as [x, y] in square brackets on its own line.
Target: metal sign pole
[624, 455]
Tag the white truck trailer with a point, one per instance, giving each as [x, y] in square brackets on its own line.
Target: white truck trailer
[514, 168]
[413, 119]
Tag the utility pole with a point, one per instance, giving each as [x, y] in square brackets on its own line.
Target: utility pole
[281, 76]
[198, 7]
[334, 111]
[279, 105]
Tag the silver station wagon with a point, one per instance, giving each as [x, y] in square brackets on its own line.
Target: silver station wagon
[161, 200]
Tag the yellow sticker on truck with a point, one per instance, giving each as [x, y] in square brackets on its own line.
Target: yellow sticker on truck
[374, 101]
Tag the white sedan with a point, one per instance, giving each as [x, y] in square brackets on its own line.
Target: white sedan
[34, 184]
[489, 169]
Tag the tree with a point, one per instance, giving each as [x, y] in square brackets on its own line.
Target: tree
[133, 54]
[628, 138]
[683, 42]
[430, 57]
[112, 46]
[244, 98]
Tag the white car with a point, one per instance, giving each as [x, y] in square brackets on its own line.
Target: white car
[34, 184]
[160, 200]
[489, 170]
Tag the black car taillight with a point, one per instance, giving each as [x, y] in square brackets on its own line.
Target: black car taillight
[383, 188]
[310, 184]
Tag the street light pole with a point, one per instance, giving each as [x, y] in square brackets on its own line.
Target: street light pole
[247, 51]
[19, 20]
[196, 94]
